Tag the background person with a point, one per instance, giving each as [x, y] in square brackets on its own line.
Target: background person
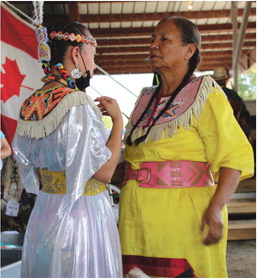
[185, 154]
[66, 159]
[220, 75]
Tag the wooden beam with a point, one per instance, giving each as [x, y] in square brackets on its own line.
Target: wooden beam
[242, 229]
[146, 69]
[147, 31]
[118, 63]
[205, 54]
[141, 57]
[146, 41]
[115, 66]
[135, 49]
[242, 206]
[73, 7]
[191, 15]
[141, 63]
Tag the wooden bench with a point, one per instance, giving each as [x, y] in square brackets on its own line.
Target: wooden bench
[242, 210]
[243, 203]
[241, 229]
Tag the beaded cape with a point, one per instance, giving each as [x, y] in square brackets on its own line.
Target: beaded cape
[188, 103]
[42, 112]
[41, 103]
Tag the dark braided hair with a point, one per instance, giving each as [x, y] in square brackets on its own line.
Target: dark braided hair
[189, 34]
[129, 141]
[59, 47]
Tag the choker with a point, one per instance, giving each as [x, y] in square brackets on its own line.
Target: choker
[50, 78]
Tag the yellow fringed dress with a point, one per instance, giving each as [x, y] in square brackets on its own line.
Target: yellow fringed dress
[160, 228]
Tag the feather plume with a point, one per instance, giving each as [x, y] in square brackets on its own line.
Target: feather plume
[38, 13]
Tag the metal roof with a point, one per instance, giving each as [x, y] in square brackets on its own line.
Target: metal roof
[123, 29]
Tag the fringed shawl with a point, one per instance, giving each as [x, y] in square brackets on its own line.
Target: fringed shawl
[43, 111]
[188, 103]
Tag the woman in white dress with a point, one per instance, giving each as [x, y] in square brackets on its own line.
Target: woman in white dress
[66, 158]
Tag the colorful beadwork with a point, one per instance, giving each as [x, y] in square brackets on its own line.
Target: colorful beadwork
[182, 102]
[56, 79]
[169, 113]
[44, 53]
[41, 103]
[79, 38]
[46, 67]
[65, 75]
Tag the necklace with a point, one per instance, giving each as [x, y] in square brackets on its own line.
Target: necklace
[57, 79]
[64, 78]
[65, 75]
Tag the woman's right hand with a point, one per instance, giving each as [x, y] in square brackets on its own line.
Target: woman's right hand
[109, 107]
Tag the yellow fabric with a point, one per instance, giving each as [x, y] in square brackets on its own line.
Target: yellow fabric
[55, 183]
[165, 223]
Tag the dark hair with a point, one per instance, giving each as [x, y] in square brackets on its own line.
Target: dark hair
[189, 34]
[59, 47]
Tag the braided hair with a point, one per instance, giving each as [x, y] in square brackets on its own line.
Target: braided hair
[189, 34]
[59, 47]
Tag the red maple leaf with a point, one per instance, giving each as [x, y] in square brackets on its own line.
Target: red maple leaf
[11, 80]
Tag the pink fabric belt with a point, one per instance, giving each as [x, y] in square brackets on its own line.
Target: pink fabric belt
[171, 174]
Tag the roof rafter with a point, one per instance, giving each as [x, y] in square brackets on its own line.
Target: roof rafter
[192, 15]
[134, 49]
[145, 41]
[123, 29]
[147, 31]
[73, 7]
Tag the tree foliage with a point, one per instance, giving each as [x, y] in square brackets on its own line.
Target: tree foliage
[247, 84]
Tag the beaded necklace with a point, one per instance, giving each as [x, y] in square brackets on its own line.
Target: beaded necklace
[65, 76]
[57, 79]
[65, 79]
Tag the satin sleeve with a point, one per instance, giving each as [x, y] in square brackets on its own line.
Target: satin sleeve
[225, 142]
[86, 150]
[28, 173]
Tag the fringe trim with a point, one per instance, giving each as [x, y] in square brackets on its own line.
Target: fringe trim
[185, 120]
[42, 128]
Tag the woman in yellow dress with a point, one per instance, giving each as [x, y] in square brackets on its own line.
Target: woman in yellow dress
[185, 156]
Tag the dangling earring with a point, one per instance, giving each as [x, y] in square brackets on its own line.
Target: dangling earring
[76, 73]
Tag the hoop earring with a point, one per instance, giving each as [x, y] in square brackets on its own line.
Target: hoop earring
[76, 73]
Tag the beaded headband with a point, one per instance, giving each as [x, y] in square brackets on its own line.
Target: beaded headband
[44, 51]
[72, 37]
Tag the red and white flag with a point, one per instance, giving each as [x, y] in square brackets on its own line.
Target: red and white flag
[20, 70]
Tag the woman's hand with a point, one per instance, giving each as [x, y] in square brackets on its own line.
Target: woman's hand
[212, 222]
[212, 225]
[109, 107]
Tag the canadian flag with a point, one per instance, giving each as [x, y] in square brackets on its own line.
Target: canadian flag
[20, 70]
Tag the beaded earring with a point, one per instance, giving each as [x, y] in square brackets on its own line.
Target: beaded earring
[76, 72]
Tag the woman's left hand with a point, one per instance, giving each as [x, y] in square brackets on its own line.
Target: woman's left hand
[212, 224]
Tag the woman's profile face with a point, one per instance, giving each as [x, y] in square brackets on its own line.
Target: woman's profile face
[88, 52]
[167, 50]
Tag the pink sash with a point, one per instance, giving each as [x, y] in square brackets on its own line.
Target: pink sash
[171, 174]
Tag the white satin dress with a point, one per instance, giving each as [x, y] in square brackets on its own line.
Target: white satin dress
[69, 235]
